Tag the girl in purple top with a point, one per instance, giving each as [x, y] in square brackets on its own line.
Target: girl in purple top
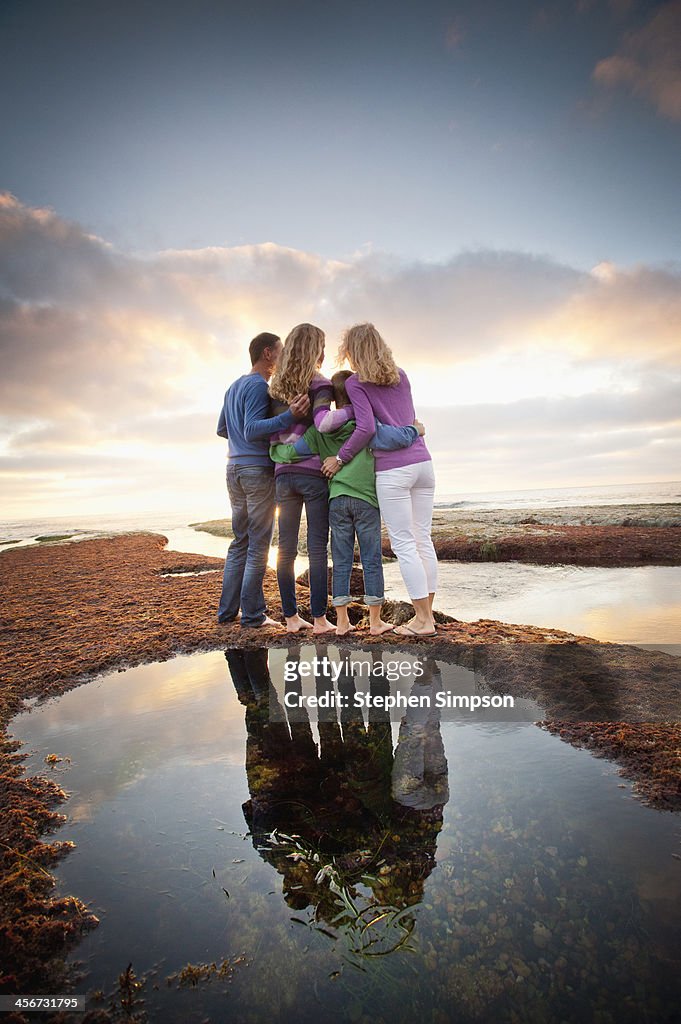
[405, 481]
[303, 483]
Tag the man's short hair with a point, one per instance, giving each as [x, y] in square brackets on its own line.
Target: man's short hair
[340, 393]
[260, 343]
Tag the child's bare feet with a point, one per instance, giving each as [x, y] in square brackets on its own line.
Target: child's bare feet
[322, 625]
[294, 623]
[379, 627]
[376, 623]
[344, 625]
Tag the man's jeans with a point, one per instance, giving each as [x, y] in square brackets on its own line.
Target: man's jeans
[251, 495]
[349, 517]
[293, 491]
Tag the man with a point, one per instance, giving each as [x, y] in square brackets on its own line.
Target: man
[245, 422]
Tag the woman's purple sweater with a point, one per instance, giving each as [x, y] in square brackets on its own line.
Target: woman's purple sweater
[390, 404]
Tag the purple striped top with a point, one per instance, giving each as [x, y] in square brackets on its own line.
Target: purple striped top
[321, 415]
[390, 404]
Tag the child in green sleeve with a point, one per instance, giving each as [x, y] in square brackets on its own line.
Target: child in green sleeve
[353, 506]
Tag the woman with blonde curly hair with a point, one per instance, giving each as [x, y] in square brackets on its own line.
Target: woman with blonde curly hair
[303, 483]
[405, 481]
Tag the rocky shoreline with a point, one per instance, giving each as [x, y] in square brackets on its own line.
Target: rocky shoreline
[73, 610]
[591, 535]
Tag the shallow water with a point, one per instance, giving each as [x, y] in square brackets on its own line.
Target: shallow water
[495, 869]
[640, 605]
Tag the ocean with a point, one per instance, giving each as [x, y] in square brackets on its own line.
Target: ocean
[25, 531]
[567, 497]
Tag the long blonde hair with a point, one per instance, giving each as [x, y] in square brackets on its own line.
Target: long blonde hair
[369, 356]
[298, 363]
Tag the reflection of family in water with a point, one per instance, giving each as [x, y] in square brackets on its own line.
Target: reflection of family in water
[355, 811]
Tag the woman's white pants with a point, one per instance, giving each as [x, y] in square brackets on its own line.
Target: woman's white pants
[405, 498]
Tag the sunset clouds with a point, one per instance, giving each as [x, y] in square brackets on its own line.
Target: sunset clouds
[527, 372]
[648, 62]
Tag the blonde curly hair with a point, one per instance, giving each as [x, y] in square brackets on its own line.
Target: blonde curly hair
[298, 363]
[368, 355]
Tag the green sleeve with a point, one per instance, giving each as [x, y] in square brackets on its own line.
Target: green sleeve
[311, 439]
[283, 453]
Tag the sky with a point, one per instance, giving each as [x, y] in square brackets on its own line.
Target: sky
[494, 185]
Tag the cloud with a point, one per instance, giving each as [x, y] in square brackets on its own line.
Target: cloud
[620, 8]
[622, 313]
[654, 405]
[454, 35]
[647, 62]
[475, 300]
[115, 364]
[594, 438]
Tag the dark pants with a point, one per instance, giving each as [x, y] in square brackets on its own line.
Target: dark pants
[350, 518]
[251, 495]
[293, 491]
[250, 674]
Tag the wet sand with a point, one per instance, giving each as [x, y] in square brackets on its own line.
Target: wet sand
[70, 611]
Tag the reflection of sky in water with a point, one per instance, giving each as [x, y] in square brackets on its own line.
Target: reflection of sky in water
[639, 605]
[534, 831]
[629, 605]
[188, 540]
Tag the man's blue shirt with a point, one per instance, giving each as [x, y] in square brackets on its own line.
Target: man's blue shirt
[245, 422]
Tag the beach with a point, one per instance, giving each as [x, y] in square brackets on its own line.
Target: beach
[72, 611]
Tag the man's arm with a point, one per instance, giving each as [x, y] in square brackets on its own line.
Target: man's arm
[388, 438]
[257, 424]
[222, 423]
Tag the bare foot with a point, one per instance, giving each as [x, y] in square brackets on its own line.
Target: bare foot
[322, 625]
[413, 624]
[267, 621]
[295, 623]
[407, 630]
[342, 630]
[380, 627]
